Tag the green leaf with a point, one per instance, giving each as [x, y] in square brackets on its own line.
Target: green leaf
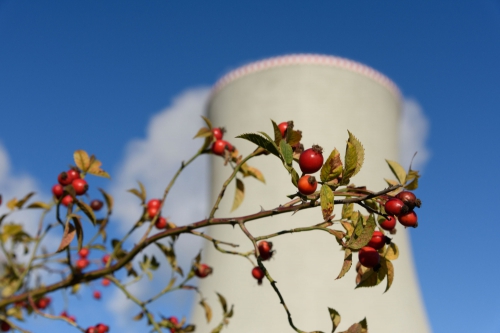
[413, 185]
[335, 316]
[218, 328]
[326, 196]
[351, 163]
[360, 151]
[347, 210]
[21, 202]
[286, 152]
[208, 122]
[239, 194]
[261, 142]
[346, 266]
[332, 168]
[277, 133]
[397, 170]
[356, 243]
[370, 278]
[392, 252]
[223, 302]
[295, 177]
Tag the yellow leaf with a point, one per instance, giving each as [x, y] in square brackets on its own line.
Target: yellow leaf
[239, 194]
[82, 159]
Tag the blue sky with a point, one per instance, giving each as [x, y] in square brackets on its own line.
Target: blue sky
[93, 74]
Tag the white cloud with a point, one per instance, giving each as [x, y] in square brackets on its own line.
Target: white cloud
[414, 131]
[153, 161]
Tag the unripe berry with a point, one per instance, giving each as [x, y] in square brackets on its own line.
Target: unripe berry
[258, 274]
[389, 223]
[409, 219]
[58, 190]
[307, 184]
[96, 205]
[84, 252]
[377, 241]
[67, 200]
[368, 257]
[203, 270]
[395, 206]
[80, 186]
[311, 160]
[97, 294]
[265, 250]
[409, 199]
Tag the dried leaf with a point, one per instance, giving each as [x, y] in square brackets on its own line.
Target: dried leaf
[172, 259]
[389, 268]
[332, 168]
[239, 194]
[203, 133]
[141, 194]
[208, 122]
[11, 204]
[348, 227]
[347, 210]
[355, 328]
[370, 278]
[68, 235]
[95, 168]
[223, 303]
[39, 204]
[335, 316]
[364, 326]
[254, 172]
[397, 170]
[326, 195]
[138, 316]
[346, 266]
[218, 328]
[21, 202]
[82, 159]
[208, 310]
[109, 200]
[87, 210]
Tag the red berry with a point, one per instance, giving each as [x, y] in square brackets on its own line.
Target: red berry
[377, 241]
[96, 205]
[73, 174]
[368, 257]
[311, 160]
[161, 223]
[82, 263]
[84, 252]
[72, 318]
[174, 321]
[219, 146]
[97, 294]
[409, 199]
[105, 282]
[58, 190]
[218, 133]
[80, 186]
[152, 211]
[409, 219]
[4, 326]
[155, 203]
[43, 302]
[282, 127]
[265, 250]
[105, 259]
[258, 274]
[203, 270]
[91, 329]
[64, 179]
[307, 184]
[395, 206]
[389, 223]
[67, 200]
[101, 328]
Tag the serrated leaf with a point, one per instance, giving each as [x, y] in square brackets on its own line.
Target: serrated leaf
[261, 142]
[87, 210]
[348, 227]
[286, 152]
[223, 302]
[239, 194]
[108, 199]
[21, 202]
[332, 168]
[208, 122]
[347, 210]
[397, 170]
[335, 317]
[326, 196]
[365, 236]
[207, 309]
[294, 137]
[39, 204]
[392, 252]
[95, 168]
[389, 268]
[351, 163]
[346, 266]
[68, 235]
[277, 133]
[360, 151]
[82, 159]
[203, 133]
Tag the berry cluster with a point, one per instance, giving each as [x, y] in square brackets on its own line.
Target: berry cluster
[402, 206]
[310, 161]
[368, 255]
[99, 328]
[219, 147]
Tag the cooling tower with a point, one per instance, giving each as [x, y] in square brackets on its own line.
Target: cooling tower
[325, 96]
